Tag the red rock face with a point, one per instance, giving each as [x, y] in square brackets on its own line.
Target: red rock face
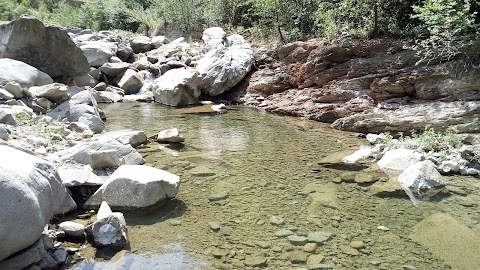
[329, 80]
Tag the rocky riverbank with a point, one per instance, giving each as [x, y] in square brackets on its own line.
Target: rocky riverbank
[367, 86]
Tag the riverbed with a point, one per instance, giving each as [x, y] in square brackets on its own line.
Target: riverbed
[251, 180]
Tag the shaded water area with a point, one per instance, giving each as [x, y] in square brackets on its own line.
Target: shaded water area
[256, 176]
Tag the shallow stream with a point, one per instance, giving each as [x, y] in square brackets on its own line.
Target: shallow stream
[256, 176]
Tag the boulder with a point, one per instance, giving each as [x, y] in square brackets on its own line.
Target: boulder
[114, 69]
[109, 231]
[214, 38]
[81, 153]
[462, 115]
[177, 87]
[224, 67]
[131, 82]
[141, 44]
[79, 177]
[421, 180]
[170, 135]
[24, 258]
[395, 161]
[98, 53]
[14, 88]
[94, 122]
[124, 52]
[131, 137]
[5, 95]
[159, 41]
[4, 134]
[31, 186]
[136, 186]
[46, 48]
[21, 73]
[6, 117]
[105, 159]
[55, 92]
[85, 80]
[107, 96]
[44, 103]
[79, 104]
[72, 228]
[269, 81]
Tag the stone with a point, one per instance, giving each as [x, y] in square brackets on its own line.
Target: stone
[22, 74]
[315, 259]
[297, 240]
[141, 44]
[114, 69]
[79, 177]
[6, 117]
[81, 152]
[159, 41]
[101, 86]
[4, 134]
[357, 244]
[319, 237]
[361, 153]
[46, 48]
[276, 220]
[449, 166]
[5, 95]
[131, 82]
[170, 135]
[177, 87]
[94, 122]
[14, 88]
[421, 180]
[218, 196]
[395, 161]
[136, 186]
[98, 53]
[375, 138]
[44, 103]
[60, 256]
[310, 247]
[269, 81]
[85, 80]
[214, 225]
[298, 257]
[226, 65]
[30, 255]
[107, 96]
[449, 239]
[365, 178]
[130, 137]
[349, 250]
[255, 261]
[105, 159]
[72, 228]
[56, 92]
[283, 233]
[79, 104]
[34, 182]
[110, 231]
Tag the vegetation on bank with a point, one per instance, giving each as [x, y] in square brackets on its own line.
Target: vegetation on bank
[436, 24]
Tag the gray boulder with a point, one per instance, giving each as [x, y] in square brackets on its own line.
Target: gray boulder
[177, 87]
[85, 80]
[55, 92]
[5, 95]
[225, 66]
[136, 186]
[421, 180]
[170, 135]
[30, 186]
[131, 82]
[4, 134]
[214, 38]
[46, 48]
[81, 153]
[6, 117]
[79, 177]
[79, 104]
[21, 73]
[141, 44]
[94, 122]
[30, 255]
[109, 230]
[131, 137]
[105, 159]
[98, 53]
[395, 161]
[114, 69]
[14, 88]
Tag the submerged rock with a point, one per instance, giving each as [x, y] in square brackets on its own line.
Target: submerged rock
[421, 180]
[135, 186]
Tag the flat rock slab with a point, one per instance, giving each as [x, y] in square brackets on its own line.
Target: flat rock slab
[450, 240]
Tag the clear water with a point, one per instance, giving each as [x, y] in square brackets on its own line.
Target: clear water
[269, 166]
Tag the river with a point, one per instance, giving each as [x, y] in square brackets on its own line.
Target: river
[250, 180]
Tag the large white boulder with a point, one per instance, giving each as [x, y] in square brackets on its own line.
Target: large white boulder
[114, 69]
[225, 66]
[395, 161]
[21, 73]
[135, 186]
[31, 192]
[81, 153]
[131, 82]
[141, 44]
[55, 92]
[421, 180]
[98, 52]
[177, 87]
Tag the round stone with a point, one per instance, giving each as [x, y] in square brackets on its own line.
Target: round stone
[310, 247]
[297, 240]
[72, 228]
[357, 244]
